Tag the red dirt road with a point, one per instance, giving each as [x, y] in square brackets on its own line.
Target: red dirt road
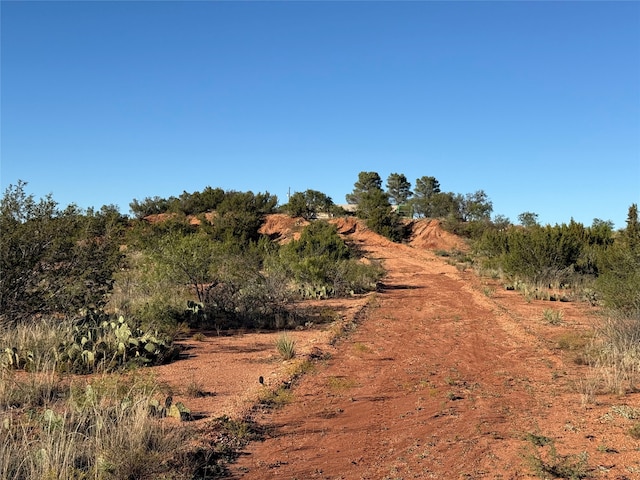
[446, 376]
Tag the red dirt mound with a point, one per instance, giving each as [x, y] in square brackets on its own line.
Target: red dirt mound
[282, 227]
[345, 225]
[159, 217]
[163, 217]
[430, 234]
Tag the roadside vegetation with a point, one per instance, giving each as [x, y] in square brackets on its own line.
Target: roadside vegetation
[90, 298]
[566, 262]
[571, 262]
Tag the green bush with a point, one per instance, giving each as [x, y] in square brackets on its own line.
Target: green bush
[240, 215]
[320, 264]
[308, 204]
[144, 292]
[355, 277]
[54, 261]
[319, 239]
[619, 280]
[543, 255]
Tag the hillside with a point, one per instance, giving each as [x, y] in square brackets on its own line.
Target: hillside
[446, 375]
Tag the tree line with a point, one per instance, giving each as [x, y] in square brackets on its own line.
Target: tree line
[65, 261]
[570, 255]
[384, 209]
[89, 265]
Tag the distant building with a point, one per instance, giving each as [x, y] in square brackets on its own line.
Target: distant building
[349, 207]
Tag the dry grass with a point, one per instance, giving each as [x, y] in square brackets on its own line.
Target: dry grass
[54, 425]
[275, 398]
[36, 343]
[99, 428]
[553, 317]
[616, 354]
[341, 383]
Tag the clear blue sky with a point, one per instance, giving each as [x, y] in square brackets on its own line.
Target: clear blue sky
[537, 103]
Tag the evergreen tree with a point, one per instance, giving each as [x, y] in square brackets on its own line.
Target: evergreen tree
[367, 181]
[308, 204]
[423, 200]
[374, 207]
[476, 206]
[398, 188]
[528, 219]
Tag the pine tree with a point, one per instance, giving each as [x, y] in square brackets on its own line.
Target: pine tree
[398, 188]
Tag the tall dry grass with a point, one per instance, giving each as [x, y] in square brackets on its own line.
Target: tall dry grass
[616, 353]
[59, 426]
[87, 429]
[37, 340]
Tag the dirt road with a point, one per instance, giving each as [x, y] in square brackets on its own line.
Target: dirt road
[447, 376]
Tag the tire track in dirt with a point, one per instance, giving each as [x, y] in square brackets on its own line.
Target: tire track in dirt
[437, 382]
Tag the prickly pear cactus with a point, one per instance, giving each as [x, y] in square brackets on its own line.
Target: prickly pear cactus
[95, 347]
[180, 411]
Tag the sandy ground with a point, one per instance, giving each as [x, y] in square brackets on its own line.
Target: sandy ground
[446, 376]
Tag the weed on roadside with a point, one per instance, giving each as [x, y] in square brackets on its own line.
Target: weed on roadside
[635, 431]
[489, 292]
[553, 317]
[617, 354]
[545, 462]
[286, 346]
[196, 389]
[276, 398]
[361, 347]
[340, 383]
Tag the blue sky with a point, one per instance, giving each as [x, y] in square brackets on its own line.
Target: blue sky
[536, 103]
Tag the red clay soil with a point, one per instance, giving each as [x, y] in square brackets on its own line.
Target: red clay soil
[446, 376]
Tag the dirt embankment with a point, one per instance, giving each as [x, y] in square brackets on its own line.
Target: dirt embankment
[447, 376]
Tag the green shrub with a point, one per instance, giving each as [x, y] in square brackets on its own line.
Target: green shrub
[320, 264]
[54, 261]
[145, 292]
[240, 215]
[544, 255]
[319, 239]
[355, 277]
[619, 280]
[308, 204]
